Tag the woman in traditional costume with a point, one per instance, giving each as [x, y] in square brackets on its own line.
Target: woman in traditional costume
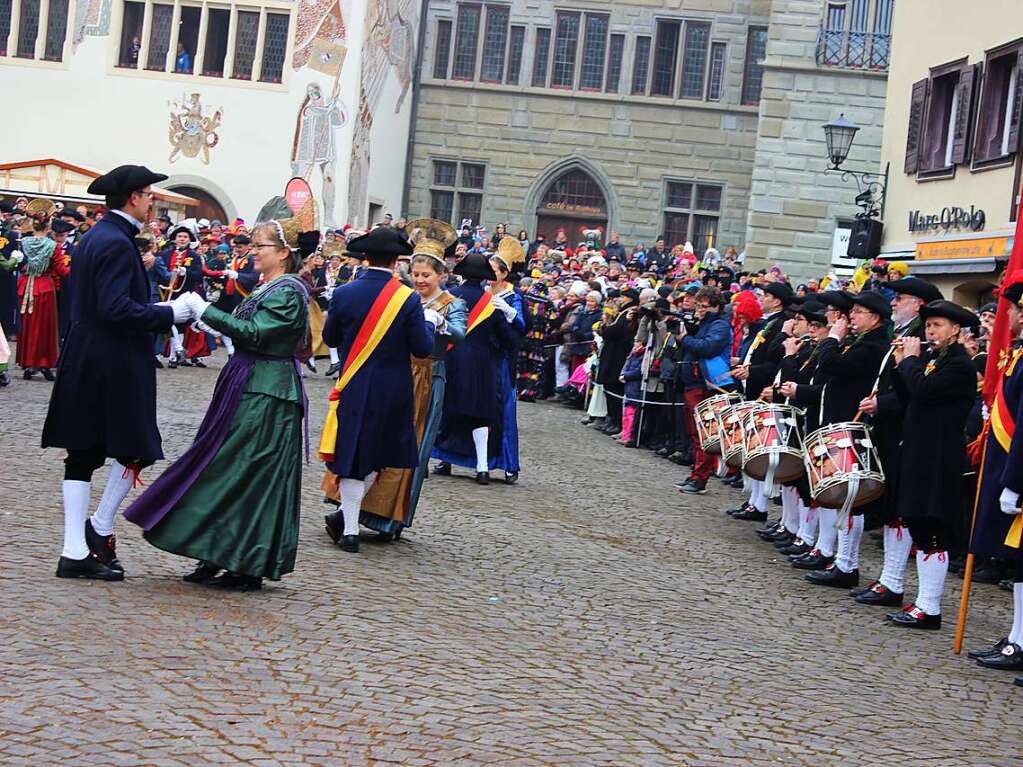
[37, 294]
[232, 500]
[509, 258]
[390, 505]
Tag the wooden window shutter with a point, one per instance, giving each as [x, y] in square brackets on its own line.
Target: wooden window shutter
[969, 79]
[916, 122]
[1017, 106]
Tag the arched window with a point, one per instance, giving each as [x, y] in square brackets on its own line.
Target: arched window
[574, 191]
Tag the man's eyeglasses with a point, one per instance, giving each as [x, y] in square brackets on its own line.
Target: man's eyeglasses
[258, 245]
[703, 306]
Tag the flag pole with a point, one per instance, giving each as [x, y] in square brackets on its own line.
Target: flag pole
[964, 600]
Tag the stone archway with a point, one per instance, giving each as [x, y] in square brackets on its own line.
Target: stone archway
[573, 194]
[212, 197]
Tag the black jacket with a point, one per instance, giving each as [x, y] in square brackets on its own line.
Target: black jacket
[849, 372]
[618, 337]
[767, 356]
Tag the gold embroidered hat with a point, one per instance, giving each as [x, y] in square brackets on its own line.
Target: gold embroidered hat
[431, 237]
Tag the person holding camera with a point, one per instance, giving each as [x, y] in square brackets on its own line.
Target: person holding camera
[651, 333]
[705, 370]
[617, 329]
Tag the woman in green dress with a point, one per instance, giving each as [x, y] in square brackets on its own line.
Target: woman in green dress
[232, 500]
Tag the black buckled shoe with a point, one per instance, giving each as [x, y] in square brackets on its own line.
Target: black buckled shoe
[350, 543]
[737, 510]
[987, 652]
[751, 514]
[879, 595]
[482, 477]
[811, 560]
[442, 469]
[236, 582]
[863, 589]
[795, 549]
[203, 573]
[783, 537]
[1010, 658]
[912, 617]
[769, 529]
[48, 374]
[335, 524]
[510, 478]
[834, 577]
[89, 568]
[103, 547]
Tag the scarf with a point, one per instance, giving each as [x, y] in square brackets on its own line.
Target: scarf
[38, 253]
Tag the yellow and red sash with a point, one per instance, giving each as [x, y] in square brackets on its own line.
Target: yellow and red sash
[479, 313]
[1003, 427]
[372, 331]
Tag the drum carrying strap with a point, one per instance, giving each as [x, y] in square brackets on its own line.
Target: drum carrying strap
[852, 490]
[772, 467]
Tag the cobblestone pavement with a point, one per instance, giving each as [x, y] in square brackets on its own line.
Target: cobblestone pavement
[588, 615]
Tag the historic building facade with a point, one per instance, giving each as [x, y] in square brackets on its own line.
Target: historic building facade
[953, 137]
[647, 118]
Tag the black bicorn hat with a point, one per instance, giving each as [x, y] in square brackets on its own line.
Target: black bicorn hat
[836, 299]
[780, 290]
[475, 266]
[812, 310]
[914, 286]
[875, 302]
[125, 179]
[382, 241]
[950, 311]
[61, 227]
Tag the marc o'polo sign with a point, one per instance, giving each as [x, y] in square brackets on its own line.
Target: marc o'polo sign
[951, 218]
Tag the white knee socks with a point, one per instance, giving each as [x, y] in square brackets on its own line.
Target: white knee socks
[757, 499]
[175, 343]
[334, 358]
[931, 569]
[1016, 635]
[479, 439]
[848, 558]
[827, 533]
[352, 493]
[790, 509]
[897, 545]
[118, 484]
[807, 523]
[76, 508]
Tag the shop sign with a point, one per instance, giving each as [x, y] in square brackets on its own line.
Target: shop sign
[567, 207]
[977, 247]
[950, 218]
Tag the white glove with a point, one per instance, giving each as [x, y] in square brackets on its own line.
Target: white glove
[196, 303]
[18, 256]
[433, 316]
[328, 293]
[504, 307]
[231, 274]
[181, 309]
[1009, 501]
[182, 271]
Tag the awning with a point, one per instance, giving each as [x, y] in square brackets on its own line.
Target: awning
[61, 181]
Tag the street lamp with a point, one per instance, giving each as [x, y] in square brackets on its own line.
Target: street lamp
[839, 134]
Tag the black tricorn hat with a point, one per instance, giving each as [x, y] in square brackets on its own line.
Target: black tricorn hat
[813, 311]
[875, 302]
[950, 311]
[914, 286]
[475, 266]
[61, 227]
[125, 179]
[837, 299]
[780, 290]
[382, 241]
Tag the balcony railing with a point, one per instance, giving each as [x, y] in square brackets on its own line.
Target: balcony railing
[853, 50]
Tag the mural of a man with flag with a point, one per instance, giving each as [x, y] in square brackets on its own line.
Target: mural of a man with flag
[997, 521]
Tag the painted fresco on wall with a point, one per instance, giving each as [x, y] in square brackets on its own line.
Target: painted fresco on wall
[92, 17]
[192, 133]
[314, 146]
[389, 48]
[319, 36]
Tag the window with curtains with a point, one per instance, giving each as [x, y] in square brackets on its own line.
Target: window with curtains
[456, 193]
[691, 213]
[856, 34]
[566, 41]
[221, 41]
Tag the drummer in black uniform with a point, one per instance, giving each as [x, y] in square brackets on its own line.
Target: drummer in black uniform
[940, 384]
[851, 371]
[886, 410]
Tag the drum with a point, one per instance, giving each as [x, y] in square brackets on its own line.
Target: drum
[842, 465]
[730, 431]
[773, 444]
[706, 416]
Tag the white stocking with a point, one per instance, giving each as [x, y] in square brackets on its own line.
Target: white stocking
[352, 493]
[76, 508]
[175, 343]
[807, 523]
[790, 509]
[479, 439]
[931, 569]
[334, 358]
[849, 536]
[827, 533]
[757, 499]
[1016, 635]
[118, 484]
[897, 545]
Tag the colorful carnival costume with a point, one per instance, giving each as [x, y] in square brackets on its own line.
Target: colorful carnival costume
[37, 294]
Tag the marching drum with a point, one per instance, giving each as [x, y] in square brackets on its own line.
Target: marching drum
[730, 431]
[706, 417]
[774, 448]
[843, 467]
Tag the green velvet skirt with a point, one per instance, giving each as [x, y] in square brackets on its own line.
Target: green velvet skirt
[242, 512]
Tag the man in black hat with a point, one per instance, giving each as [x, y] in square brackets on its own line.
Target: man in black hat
[376, 324]
[849, 372]
[886, 410]
[10, 317]
[104, 402]
[940, 385]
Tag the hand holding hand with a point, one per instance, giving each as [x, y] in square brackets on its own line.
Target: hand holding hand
[869, 405]
[788, 389]
[1009, 502]
[196, 303]
[504, 307]
[182, 311]
[231, 274]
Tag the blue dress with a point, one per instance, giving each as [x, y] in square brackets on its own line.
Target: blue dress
[508, 460]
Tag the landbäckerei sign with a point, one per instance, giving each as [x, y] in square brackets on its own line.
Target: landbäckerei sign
[950, 218]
